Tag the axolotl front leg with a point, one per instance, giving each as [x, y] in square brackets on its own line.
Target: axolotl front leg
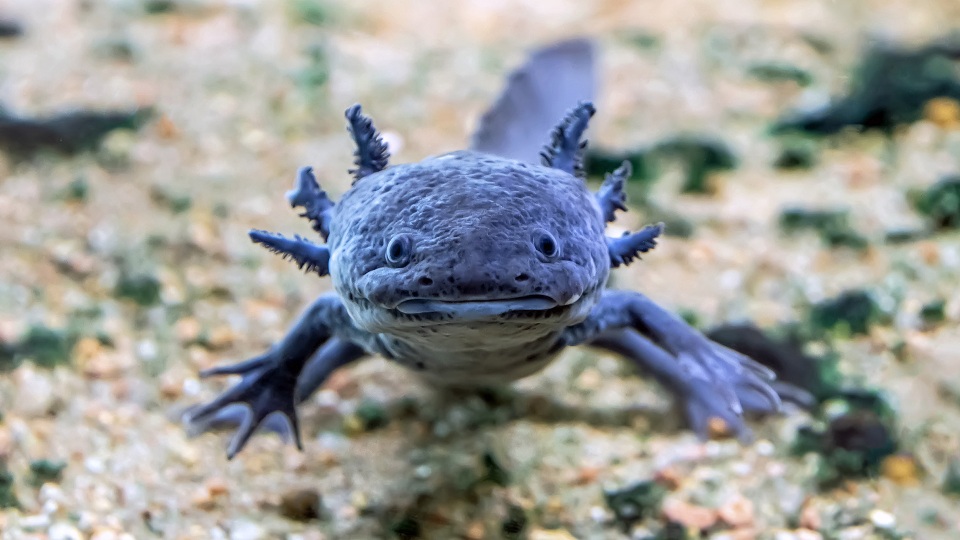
[271, 382]
[711, 380]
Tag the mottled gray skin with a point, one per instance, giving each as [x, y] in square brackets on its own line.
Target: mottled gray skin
[475, 269]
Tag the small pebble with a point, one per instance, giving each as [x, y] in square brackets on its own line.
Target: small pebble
[475, 531]
[882, 519]
[246, 530]
[64, 531]
[147, 349]
[6, 443]
[901, 469]
[550, 534]
[669, 477]
[94, 465]
[736, 534]
[105, 534]
[358, 499]
[810, 515]
[640, 532]
[717, 428]
[35, 392]
[765, 447]
[737, 511]
[599, 514]
[943, 111]
[854, 533]
[34, 522]
[327, 398]
[689, 515]
[799, 534]
[301, 505]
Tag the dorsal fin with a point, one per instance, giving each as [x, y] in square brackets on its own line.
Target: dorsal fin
[565, 150]
[371, 153]
[553, 79]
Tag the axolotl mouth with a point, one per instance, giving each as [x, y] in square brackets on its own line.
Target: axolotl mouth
[467, 310]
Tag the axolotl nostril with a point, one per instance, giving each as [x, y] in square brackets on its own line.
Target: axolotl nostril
[474, 268]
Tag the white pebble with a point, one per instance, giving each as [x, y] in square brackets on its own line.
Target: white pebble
[191, 387]
[853, 533]
[35, 392]
[64, 531]
[712, 449]
[641, 533]
[246, 530]
[327, 398]
[423, 471]
[50, 507]
[776, 469]
[94, 465]
[882, 520]
[741, 468]
[765, 447]
[598, 514]
[731, 279]
[34, 522]
[333, 442]
[51, 492]
[147, 350]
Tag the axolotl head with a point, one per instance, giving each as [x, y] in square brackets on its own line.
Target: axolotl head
[468, 244]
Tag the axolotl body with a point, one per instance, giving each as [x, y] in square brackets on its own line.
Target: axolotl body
[475, 269]
[479, 267]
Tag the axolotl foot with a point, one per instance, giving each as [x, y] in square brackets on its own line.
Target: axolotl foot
[202, 418]
[267, 392]
[708, 412]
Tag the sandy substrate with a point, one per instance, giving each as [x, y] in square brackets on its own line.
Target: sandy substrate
[240, 108]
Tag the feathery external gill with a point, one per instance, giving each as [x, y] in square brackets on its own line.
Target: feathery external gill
[565, 150]
[318, 207]
[371, 153]
[303, 252]
[628, 247]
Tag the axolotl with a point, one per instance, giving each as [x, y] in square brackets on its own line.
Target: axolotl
[475, 269]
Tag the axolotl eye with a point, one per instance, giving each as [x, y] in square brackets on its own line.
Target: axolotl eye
[399, 250]
[546, 244]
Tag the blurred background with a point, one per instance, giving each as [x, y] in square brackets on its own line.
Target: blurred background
[804, 154]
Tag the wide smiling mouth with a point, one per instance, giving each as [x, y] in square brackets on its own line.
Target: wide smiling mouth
[479, 309]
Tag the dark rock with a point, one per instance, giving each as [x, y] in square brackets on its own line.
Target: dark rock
[67, 133]
[833, 226]
[301, 505]
[890, 88]
[853, 311]
[785, 356]
[940, 204]
[44, 471]
[635, 502]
